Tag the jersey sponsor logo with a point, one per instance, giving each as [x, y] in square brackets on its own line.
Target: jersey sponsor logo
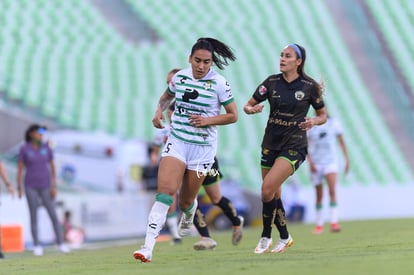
[190, 94]
[299, 95]
[274, 94]
[282, 122]
[262, 90]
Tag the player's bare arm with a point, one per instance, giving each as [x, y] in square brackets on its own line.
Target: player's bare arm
[252, 107]
[163, 103]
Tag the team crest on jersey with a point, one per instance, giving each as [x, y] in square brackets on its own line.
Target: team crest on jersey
[265, 151]
[299, 95]
[262, 90]
[207, 85]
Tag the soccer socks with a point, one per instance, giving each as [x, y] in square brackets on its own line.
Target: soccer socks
[201, 224]
[229, 210]
[268, 213]
[190, 211]
[334, 212]
[280, 220]
[156, 219]
[319, 215]
[172, 223]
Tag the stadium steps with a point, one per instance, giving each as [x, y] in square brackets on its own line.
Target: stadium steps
[109, 85]
[395, 18]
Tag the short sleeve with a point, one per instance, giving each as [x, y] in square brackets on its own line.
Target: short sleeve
[337, 127]
[171, 86]
[224, 92]
[262, 91]
[21, 155]
[50, 152]
[316, 98]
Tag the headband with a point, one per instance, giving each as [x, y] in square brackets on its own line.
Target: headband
[297, 49]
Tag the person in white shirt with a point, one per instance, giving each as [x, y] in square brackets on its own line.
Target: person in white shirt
[324, 164]
[188, 155]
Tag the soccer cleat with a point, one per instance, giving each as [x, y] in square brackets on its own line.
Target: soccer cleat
[186, 222]
[335, 227]
[177, 241]
[282, 244]
[64, 249]
[205, 243]
[144, 255]
[263, 246]
[318, 229]
[238, 232]
[38, 250]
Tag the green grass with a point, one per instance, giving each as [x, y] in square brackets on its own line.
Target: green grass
[363, 247]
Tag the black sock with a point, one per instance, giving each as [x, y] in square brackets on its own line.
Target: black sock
[200, 223]
[280, 220]
[268, 213]
[229, 210]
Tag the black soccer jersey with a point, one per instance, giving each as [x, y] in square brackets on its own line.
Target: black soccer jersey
[289, 104]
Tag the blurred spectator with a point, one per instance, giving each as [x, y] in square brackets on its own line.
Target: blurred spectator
[72, 234]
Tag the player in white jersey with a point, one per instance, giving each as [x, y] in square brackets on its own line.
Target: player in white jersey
[189, 152]
[324, 164]
[159, 140]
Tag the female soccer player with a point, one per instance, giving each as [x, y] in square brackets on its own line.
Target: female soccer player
[323, 163]
[284, 146]
[199, 92]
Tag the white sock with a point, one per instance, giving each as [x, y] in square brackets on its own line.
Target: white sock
[191, 212]
[319, 217]
[156, 221]
[172, 223]
[334, 214]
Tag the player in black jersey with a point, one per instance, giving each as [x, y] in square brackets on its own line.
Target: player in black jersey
[284, 146]
[211, 185]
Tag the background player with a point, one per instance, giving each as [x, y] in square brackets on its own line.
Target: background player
[323, 163]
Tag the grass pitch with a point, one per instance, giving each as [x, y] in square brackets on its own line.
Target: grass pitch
[363, 247]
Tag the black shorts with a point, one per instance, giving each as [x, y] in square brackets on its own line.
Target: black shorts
[295, 156]
[213, 175]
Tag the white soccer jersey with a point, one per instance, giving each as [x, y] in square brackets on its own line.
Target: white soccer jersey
[323, 142]
[200, 97]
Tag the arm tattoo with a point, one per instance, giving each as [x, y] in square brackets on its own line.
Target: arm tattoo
[164, 102]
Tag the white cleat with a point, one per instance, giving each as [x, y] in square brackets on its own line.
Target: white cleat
[282, 244]
[263, 246]
[144, 255]
[205, 243]
[238, 232]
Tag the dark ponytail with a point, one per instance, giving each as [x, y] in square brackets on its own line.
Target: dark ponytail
[301, 69]
[217, 48]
